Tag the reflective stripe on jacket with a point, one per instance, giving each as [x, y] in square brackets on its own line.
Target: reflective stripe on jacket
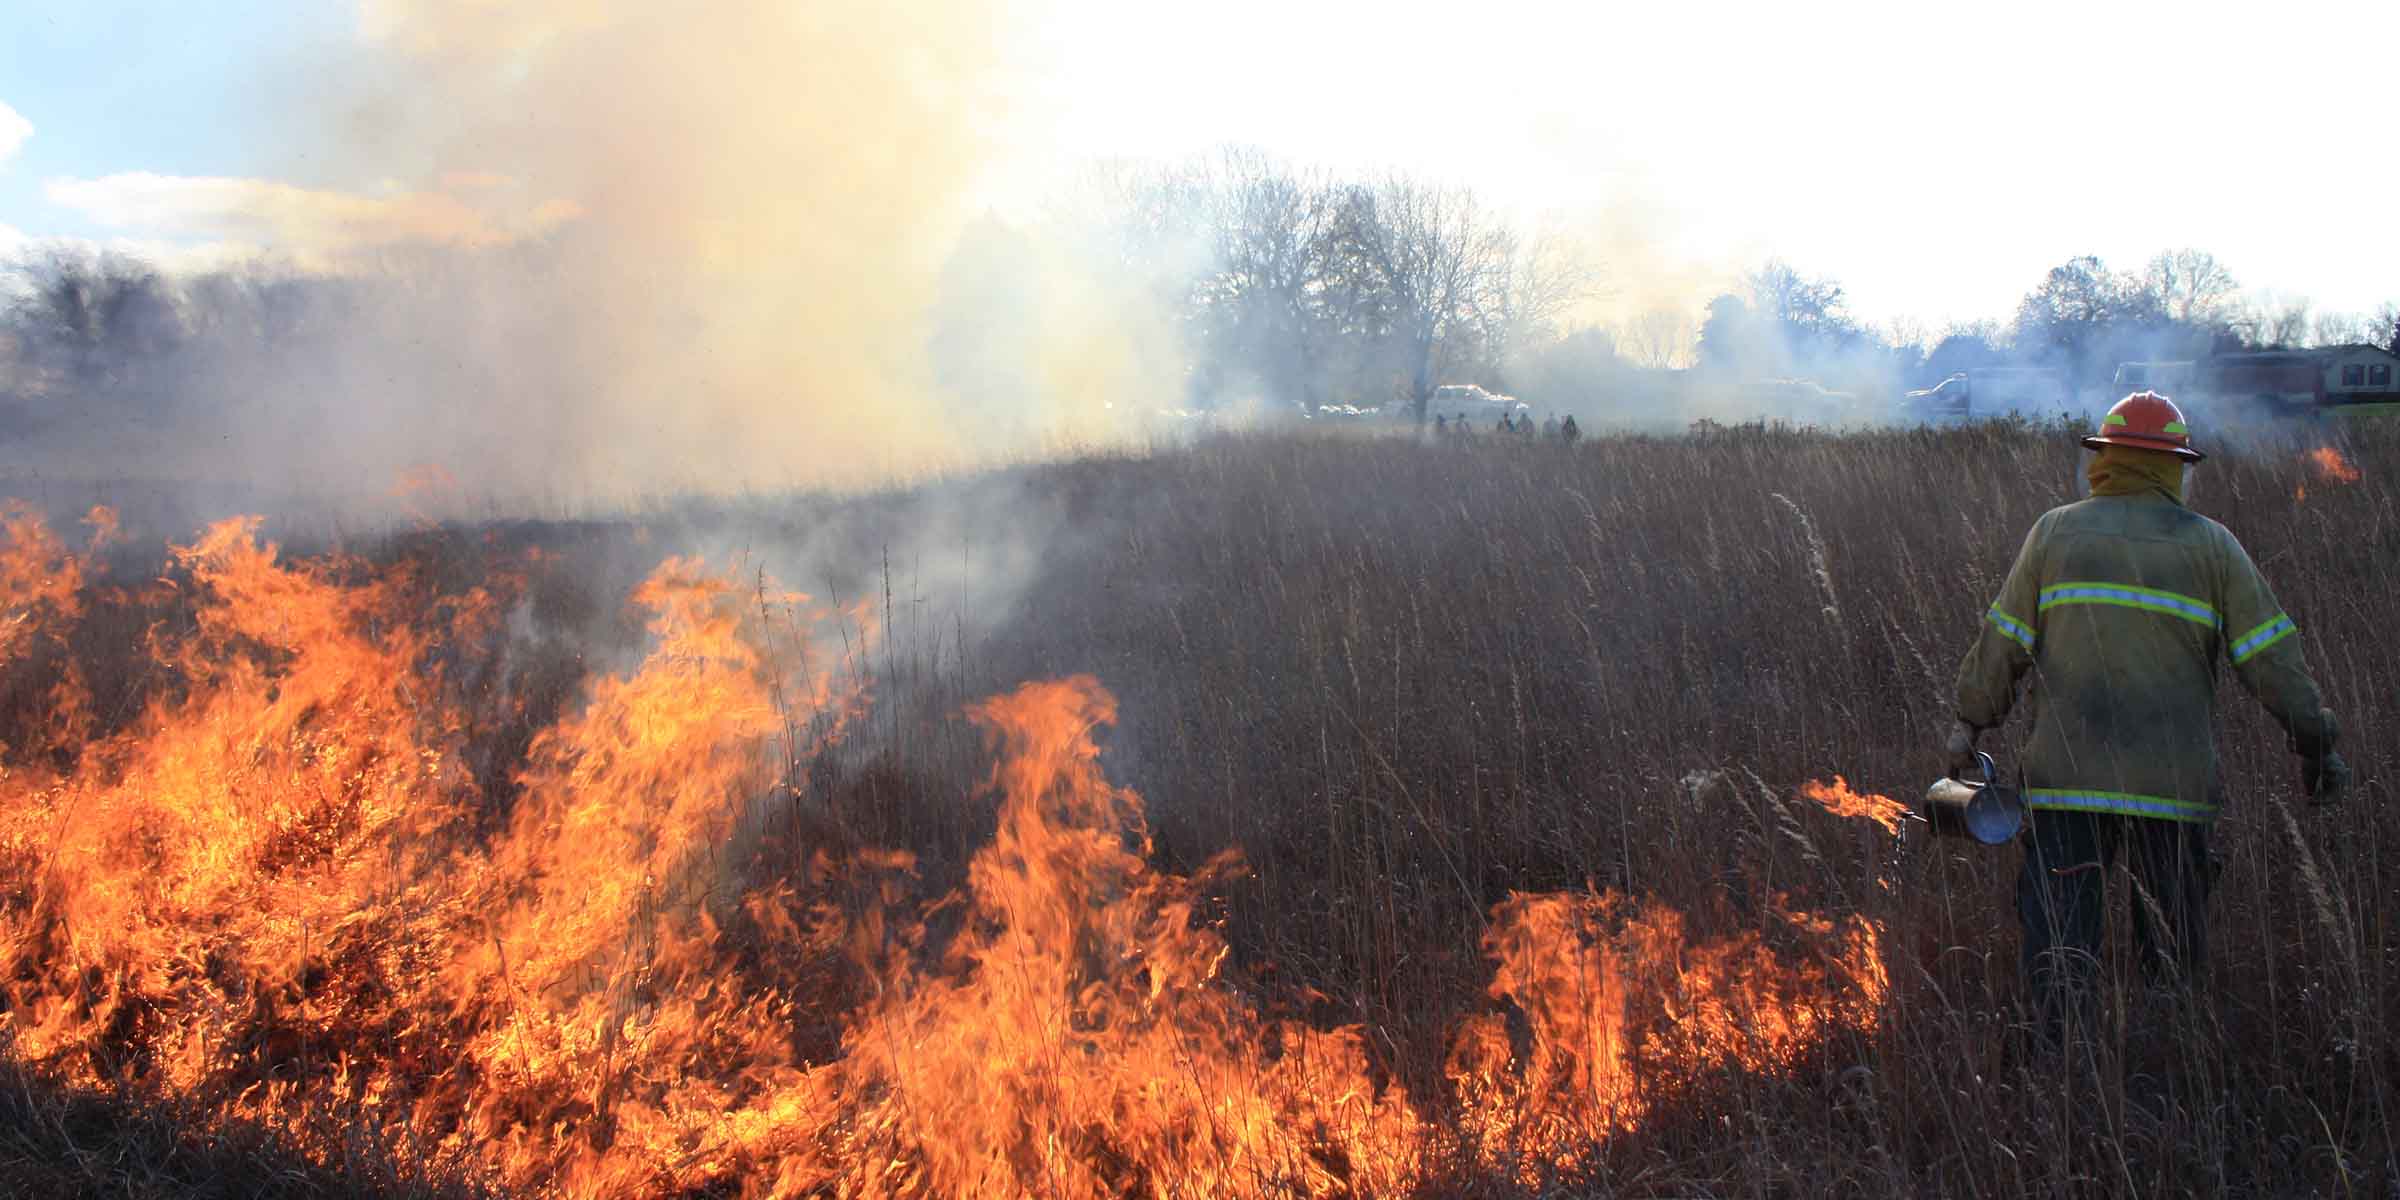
[2121, 607]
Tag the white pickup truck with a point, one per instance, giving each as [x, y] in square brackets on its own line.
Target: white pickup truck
[1452, 399]
[1986, 392]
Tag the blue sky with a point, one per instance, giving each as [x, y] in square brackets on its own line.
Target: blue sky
[114, 85]
[1936, 159]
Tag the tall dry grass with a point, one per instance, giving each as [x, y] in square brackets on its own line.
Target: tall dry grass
[1407, 679]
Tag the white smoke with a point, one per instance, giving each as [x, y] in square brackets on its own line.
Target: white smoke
[608, 250]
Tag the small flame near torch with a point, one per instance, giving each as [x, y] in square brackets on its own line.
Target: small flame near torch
[1839, 799]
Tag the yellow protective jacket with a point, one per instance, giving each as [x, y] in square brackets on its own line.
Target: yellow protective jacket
[2121, 607]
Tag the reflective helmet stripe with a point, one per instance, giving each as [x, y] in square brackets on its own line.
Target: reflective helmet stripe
[2148, 421]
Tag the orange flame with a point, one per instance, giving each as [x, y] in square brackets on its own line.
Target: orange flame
[1077, 1041]
[2332, 466]
[40, 599]
[103, 522]
[287, 888]
[1622, 1002]
[1839, 800]
[39, 579]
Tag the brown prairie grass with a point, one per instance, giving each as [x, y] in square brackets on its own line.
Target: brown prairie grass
[1408, 679]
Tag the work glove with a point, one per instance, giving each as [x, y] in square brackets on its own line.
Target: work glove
[1961, 749]
[2323, 774]
[2324, 777]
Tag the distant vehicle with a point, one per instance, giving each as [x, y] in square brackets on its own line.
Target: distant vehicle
[1341, 412]
[1985, 392]
[1451, 399]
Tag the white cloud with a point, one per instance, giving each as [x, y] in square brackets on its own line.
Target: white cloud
[306, 221]
[14, 129]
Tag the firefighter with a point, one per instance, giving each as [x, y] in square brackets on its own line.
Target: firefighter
[2122, 606]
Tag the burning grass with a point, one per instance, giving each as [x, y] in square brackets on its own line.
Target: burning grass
[2332, 466]
[429, 879]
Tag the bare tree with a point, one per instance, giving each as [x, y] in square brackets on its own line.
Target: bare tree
[2192, 285]
[2081, 315]
[2340, 329]
[1803, 305]
[1794, 322]
[1261, 303]
[1907, 333]
[1535, 283]
[2275, 321]
[1142, 221]
[1439, 261]
[1661, 339]
[2289, 326]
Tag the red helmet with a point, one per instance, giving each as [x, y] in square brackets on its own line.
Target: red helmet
[2146, 421]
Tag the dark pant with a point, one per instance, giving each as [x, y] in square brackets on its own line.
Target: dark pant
[2061, 889]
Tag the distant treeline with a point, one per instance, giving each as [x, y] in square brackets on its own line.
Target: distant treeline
[1281, 290]
[87, 338]
[1293, 288]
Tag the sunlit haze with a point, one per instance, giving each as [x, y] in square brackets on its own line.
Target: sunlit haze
[1934, 159]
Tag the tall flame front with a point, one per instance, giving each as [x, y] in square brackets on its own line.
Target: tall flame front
[302, 889]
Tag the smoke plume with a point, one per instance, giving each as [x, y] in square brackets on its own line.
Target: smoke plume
[626, 250]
